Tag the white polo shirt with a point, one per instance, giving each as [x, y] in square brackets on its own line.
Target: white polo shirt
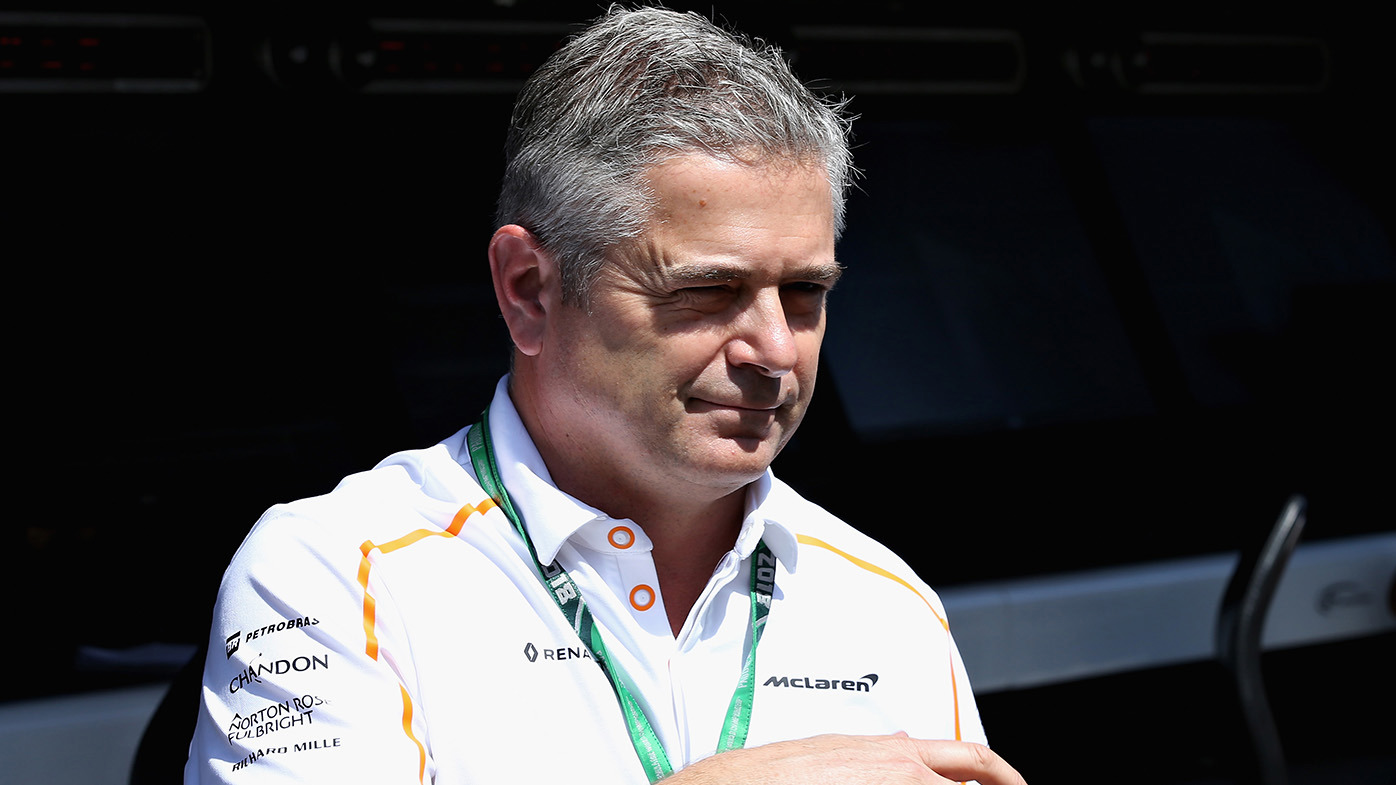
[396, 630]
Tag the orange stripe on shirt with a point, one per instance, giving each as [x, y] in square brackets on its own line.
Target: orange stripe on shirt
[873, 568]
[407, 728]
[366, 566]
[371, 605]
[805, 539]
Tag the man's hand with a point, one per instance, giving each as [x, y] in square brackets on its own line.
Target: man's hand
[853, 759]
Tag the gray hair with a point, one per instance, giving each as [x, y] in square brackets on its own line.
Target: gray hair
[635, 89]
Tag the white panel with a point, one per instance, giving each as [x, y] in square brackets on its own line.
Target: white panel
[87, 739]
[1037, 631]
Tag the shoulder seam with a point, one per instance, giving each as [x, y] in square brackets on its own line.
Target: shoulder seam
[366, 564]
[805, 539]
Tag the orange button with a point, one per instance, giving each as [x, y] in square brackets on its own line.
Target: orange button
[642, 597]
[621, 537]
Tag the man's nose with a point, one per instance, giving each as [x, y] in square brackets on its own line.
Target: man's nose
[762, 337]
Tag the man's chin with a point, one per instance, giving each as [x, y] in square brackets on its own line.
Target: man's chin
[741, 458]
[739, 453]
[754, 446]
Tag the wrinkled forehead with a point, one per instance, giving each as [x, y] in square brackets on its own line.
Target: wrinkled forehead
[663, 176]
[725, 220]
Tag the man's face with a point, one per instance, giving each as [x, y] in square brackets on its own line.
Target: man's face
[698, 357]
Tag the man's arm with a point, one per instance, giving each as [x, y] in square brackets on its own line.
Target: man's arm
[290, 691]
[848, 760]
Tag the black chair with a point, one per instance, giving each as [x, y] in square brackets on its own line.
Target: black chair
[164, 746]
[1240, 624]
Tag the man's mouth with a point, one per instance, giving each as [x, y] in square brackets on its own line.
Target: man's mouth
[702, 404]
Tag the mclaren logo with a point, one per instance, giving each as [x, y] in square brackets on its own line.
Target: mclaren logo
[863, 684]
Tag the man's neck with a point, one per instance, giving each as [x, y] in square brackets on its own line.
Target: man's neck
[687, 546]
[691, 527]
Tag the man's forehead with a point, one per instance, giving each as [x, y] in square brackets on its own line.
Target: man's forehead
[681, 187]
[684, 191]
[766, 165]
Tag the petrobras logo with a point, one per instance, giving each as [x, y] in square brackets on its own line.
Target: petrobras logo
[284, 624]
[233, 642]
[861, 684]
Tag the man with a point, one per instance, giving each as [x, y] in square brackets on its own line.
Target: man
[601, 579]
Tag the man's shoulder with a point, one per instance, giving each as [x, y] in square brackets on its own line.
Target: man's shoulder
[819, 530]
[412, 489]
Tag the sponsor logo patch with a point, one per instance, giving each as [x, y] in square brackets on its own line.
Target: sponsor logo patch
[233, 642]
[860, 684]
[292, 713]
[533, 653]
[253, 674]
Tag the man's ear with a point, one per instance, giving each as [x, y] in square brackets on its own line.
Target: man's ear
[521, 270]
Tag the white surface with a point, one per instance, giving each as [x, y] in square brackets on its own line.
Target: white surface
[87, 739]
[1037, 631]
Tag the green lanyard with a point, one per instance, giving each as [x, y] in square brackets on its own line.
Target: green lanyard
[574, 608]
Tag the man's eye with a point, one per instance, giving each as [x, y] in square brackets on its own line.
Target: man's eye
[703, 299]
[704, 292]
[804, 297]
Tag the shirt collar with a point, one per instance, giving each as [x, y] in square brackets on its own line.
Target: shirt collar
[553, 516]
[767, 513]
[550, 515]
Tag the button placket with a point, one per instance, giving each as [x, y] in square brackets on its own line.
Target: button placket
[639, 580]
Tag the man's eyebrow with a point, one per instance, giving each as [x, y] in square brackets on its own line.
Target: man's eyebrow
[830, 273]
[698, 272]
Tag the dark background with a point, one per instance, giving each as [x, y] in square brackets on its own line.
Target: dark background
[232, 297]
